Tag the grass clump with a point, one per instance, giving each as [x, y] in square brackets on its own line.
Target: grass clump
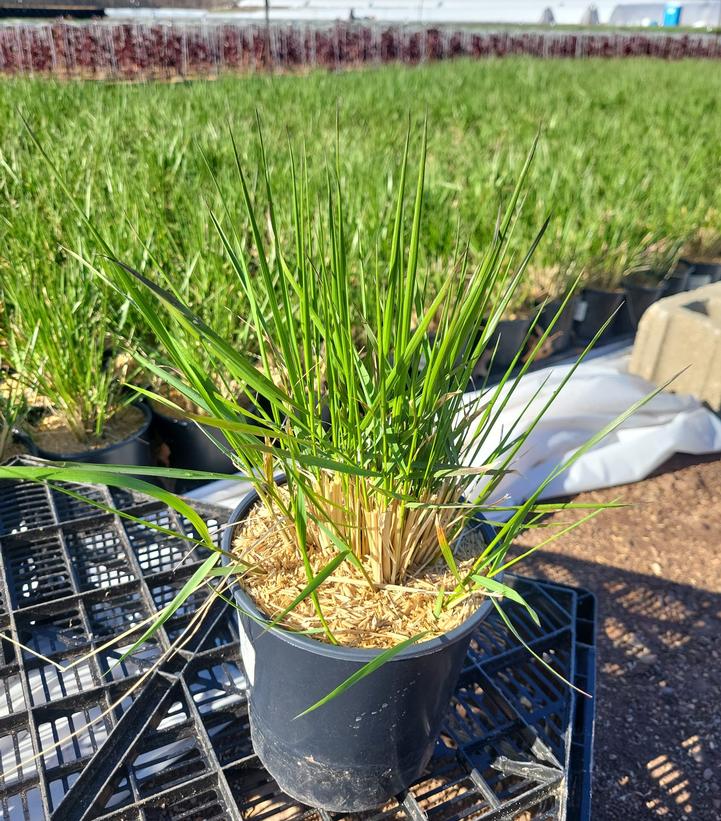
[75, 362]
[385, 464]
[356, 367]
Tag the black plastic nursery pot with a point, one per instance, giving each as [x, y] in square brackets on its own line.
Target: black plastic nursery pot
[592, 311]
[704, 272]
[366, 745]
[510, 334]
[640, 295]
[560, 337]
[189, 448]
[135, 450]
[678, 281]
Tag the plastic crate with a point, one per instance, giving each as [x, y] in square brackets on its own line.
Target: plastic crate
[96, 740]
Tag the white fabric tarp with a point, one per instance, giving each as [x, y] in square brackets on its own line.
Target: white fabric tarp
[597, 393]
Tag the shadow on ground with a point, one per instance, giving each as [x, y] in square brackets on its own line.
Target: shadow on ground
[658, 708]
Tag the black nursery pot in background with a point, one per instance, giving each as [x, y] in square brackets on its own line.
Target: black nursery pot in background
[135, 450]
[593, 309]
[703, 273]
[641, 293]
[560, 337]
[369, 743]
[510, 335]
[678, 280]
[189, 448]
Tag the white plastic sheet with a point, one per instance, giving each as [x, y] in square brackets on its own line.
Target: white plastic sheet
[598, 392]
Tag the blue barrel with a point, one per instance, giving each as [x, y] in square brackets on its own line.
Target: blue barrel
[672, 14]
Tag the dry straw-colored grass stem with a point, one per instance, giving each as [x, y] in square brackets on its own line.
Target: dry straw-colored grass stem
[398, 549]
[392, 538]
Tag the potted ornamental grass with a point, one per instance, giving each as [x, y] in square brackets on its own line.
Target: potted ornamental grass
[601, 257]
[512, 332]
[15, 398]
[374, 540]
[539, 303]
[182, 440]
[603, 296]
[12, 410]
[182, 443]
[549, 289]
[75, 368]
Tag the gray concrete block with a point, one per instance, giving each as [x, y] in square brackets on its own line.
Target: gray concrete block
[683, 331]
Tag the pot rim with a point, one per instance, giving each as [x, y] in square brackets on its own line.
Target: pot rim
[166, 418]
[681, 271]
[700, 279]
[645, 288]
[69, 457]
[343, 653]
[595, 289]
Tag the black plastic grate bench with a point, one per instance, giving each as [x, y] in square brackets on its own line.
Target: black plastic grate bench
[89, 742]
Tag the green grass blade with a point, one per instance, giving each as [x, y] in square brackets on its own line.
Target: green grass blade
[191, 585]
[366, 670]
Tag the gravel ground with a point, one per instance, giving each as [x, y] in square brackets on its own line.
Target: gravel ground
[656, 571]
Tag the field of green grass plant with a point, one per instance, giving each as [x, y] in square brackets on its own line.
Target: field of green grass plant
[627, 163]
[627, 155]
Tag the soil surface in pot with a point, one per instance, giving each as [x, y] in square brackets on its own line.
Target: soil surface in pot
[53, 434]
[357, 615]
